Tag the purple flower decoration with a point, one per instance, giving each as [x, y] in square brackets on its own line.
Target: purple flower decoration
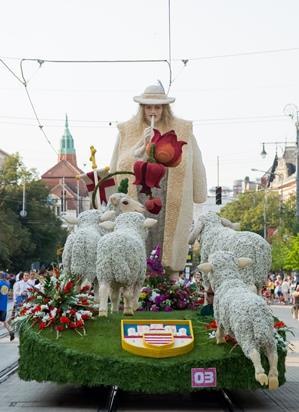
[154, 264]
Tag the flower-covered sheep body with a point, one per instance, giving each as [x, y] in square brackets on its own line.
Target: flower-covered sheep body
[242, 314]
[217, 234]
[79, 254]
[121, 261]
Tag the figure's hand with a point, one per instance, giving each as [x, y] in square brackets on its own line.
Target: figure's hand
[148, 134]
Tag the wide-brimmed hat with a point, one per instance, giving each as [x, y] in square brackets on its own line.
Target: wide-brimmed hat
[153, 94]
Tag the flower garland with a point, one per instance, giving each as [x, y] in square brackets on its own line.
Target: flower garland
[60, 304]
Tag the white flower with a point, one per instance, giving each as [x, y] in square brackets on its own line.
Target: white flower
[53, 312]
[212, 335]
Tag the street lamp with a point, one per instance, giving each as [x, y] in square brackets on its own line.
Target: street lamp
[265, 198]
[292, 111]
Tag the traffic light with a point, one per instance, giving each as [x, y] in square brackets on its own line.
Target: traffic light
[218, 195]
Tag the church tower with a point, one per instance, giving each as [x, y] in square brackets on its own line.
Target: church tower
[67, 148]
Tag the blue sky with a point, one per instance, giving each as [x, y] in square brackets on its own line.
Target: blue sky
[236, 99]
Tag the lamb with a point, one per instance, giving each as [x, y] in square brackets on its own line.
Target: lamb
[79, 254]
[241, 313]
[215, 234]
[121, 261]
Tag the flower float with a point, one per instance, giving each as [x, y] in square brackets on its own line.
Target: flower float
[168, 149]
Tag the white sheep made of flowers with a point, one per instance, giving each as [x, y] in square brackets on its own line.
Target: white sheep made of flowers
[121, 261]
[218, 234]
[79, 254]
[242, 314]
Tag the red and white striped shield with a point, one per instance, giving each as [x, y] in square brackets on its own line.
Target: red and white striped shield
[158, 339]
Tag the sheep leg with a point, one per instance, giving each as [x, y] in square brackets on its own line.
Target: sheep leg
[220, 335]
[115, 295]
[103, 296]
[273, 372]
[128, 301]
[96, 291]
[260, 375]
[136, 294]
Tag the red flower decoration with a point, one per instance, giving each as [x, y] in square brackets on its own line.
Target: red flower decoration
[279, 325]
[212, 325]
[64, 319]
[42, 325]
[153, 205]
[59, 328]
[168, 149]
[68, 287]
[148, 175]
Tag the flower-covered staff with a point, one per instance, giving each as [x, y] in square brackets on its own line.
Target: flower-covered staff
[179, 187]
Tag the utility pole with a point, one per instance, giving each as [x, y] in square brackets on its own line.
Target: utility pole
[297, 171]
[292, 111]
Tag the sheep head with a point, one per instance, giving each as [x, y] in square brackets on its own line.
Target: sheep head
[124, 203]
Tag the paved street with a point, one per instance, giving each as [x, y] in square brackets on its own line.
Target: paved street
[16, 395]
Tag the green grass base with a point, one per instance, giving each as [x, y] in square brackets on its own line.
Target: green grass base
[98, 359]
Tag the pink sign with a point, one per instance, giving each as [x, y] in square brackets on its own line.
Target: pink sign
[203, 377]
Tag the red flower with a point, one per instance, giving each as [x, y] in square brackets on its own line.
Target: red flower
[212, 325]
[153, 205]
[59, 328]
[36, 309]
[168, 149]
[85, 316]
[64, 319]
[279, 324]
[85, 289]
[148, 175]
[68, 287]
[79, 323]
[42, 325]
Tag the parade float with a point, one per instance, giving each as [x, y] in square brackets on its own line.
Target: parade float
[163, 346]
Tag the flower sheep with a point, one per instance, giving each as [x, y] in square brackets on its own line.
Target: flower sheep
[79, 254]
[215, 234]
[121, 261]
[241, 313]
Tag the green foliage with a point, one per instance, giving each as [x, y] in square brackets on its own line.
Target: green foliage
[280, 249]
[123, 186]
[98, 359]
[35, 237]
[292, 257]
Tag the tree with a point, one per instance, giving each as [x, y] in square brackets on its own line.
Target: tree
[292, 256]
[34, 237]
[249, 208]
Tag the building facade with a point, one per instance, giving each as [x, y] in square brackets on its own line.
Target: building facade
[68, 192]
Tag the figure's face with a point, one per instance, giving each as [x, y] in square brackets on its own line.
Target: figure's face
[153, 110]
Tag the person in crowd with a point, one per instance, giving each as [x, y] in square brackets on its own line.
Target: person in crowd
[207, 308]
[21, 290]
[4, 288]
[181, 185]
[285, 289]
[295, 302]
